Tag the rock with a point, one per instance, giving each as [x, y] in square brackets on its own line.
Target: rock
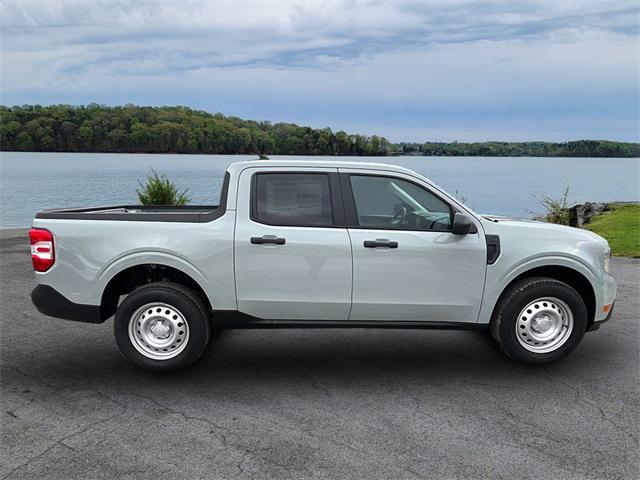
[581, 214]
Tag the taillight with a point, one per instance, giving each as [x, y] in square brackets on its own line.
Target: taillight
[42, 253]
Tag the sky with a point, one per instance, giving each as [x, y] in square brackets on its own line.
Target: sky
[430, 70]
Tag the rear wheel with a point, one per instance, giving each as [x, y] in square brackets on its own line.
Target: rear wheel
[539, 320]
[162, 326]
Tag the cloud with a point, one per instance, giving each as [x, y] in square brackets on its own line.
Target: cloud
[463, 67]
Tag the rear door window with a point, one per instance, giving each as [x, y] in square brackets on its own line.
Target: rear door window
[292, 199]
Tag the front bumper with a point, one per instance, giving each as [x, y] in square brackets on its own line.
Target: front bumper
[52, 303]
[596, 325]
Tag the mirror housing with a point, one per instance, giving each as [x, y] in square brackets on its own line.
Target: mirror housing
[463, 224]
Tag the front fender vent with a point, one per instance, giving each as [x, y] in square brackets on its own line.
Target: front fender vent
[493, 248]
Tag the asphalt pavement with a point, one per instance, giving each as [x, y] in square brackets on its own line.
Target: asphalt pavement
[356, 404]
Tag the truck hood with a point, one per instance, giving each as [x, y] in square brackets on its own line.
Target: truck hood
[533, 228]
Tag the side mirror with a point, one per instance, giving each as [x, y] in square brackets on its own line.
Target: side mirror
[462, 224]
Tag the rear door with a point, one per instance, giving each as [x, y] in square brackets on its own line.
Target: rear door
[292, 249]
[407, 265]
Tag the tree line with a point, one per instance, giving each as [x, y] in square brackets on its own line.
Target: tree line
[577, 148]
[135, 129]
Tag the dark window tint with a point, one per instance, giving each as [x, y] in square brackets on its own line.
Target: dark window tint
[293, 199]
[392, 203]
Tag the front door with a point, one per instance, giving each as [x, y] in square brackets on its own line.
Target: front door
[407, 265]
[292, 249]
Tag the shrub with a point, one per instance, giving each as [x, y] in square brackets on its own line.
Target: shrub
[159, 190]
[556, 210]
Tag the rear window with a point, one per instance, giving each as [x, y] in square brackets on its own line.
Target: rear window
[292, 199]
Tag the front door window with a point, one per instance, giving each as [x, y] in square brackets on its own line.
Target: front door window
[389, 203]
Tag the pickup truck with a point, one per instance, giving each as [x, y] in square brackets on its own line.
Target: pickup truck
[319, 244]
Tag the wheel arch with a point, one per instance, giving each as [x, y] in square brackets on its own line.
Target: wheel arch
[124, 280]
[571, 276]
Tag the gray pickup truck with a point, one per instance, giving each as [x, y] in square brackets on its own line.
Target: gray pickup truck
[319, 244]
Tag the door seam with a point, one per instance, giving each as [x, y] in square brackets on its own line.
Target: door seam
[352, 274]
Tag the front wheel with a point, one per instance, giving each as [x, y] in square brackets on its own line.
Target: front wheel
[539, 320]
[162, 326]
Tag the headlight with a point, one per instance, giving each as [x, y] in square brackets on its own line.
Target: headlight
[605, 259]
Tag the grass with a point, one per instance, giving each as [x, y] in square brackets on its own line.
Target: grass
[621, 227]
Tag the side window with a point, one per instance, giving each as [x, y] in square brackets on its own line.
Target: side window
[292, 199]
[395, 204]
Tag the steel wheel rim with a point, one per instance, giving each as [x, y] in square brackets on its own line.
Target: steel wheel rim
[544, 325]
[158, 331]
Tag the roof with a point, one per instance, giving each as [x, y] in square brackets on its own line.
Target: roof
[239, 166]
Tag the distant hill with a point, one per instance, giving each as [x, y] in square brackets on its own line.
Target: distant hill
[135, 129]
[577, 148]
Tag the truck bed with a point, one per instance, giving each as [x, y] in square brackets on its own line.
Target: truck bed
[145, 213]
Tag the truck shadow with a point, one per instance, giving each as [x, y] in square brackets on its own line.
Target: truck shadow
[263, 360]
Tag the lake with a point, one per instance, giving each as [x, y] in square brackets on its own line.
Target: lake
[499, 185]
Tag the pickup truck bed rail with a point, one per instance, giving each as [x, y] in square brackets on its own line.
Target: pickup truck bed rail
[147, 213]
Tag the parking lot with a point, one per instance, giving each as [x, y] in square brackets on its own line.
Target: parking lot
[356, 404]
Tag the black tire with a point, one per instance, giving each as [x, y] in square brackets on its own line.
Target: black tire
[187, 302]
[519, 295]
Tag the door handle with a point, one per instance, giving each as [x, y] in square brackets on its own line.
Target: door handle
[380, 243]
[267, 239]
